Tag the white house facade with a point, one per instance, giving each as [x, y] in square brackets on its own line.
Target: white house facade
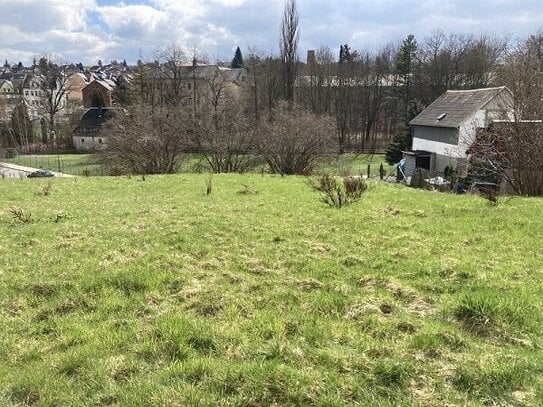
[448, 126]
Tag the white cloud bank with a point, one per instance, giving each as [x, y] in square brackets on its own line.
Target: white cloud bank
[88, 30]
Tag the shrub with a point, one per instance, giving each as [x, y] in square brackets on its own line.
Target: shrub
[293, 139]
[339, 191]
[20, 215]
[45, 189]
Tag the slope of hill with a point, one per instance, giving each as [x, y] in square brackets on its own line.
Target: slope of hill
[124, 291]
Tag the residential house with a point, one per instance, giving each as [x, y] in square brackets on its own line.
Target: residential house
[86, 136]
[36, 98]
[443, 132]
[76, 82]
[197, 87]
[98, 91]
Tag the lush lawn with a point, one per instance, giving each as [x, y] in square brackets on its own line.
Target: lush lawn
[86, 164]
[124, 291]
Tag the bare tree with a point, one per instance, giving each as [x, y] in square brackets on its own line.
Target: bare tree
[294, 139]
[290, 35]
[146, 141]
[224, 135]
[316, 89]
[510, 151]
[265, 76]
[54, 84]
[456, 61]
[21, 127]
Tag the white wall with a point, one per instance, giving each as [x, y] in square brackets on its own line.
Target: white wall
[85, 143]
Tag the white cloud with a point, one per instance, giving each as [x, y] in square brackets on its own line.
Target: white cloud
[84, 30]
[41, 15]
[132, 20]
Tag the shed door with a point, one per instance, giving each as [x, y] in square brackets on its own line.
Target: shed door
[423, 162]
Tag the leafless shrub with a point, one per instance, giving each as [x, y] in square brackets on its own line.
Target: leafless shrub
[490, 194]
[149, 140]
[293, 139]
[20, 215]
[247, 190]
[339, 191]
[45, 189]
[58, 217]
[221, 131]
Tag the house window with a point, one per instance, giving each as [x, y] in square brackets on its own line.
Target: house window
[189, 86]
[82, 140]
[99, 141]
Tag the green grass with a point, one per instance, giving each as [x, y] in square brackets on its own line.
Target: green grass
[86, 164]
[120, 291]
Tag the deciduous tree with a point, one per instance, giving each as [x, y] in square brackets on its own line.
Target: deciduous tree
[290, 36]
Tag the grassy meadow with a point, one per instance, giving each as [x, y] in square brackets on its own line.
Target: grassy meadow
[146, 292]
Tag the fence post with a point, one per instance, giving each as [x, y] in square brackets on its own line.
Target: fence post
[381, 171]
[369, 171]
[58, 159]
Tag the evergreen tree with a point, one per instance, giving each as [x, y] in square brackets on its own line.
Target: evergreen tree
[237, 61]
[403, 65]
[346, 54]
[121, 94]
[400, 142]
[97, 99]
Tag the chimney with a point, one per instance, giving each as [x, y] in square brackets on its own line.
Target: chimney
[311, 61]
[194, 61]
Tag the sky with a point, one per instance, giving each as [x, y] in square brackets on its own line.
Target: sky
[88, 30]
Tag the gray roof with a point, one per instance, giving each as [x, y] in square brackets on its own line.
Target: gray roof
[454, 107]
[231, 74]
[199, 71]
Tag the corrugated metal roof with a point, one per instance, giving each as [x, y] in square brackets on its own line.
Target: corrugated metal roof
[454, 107]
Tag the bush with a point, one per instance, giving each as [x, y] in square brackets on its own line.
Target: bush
[293, 139]
[339, 191]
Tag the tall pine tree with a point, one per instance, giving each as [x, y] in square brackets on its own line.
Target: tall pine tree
[237, 61]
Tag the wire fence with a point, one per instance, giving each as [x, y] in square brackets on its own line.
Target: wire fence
[369, 165]
[73, 164]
